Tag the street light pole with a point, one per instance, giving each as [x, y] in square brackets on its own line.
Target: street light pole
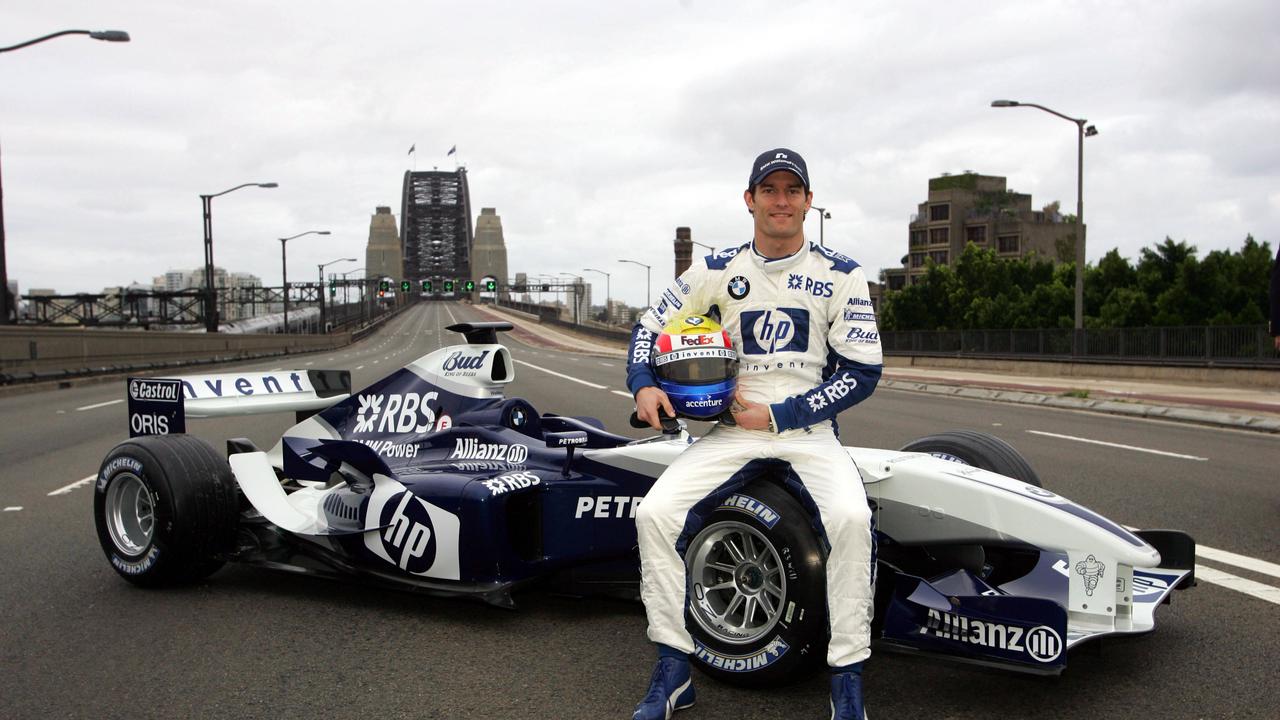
[577, 284]
[607, 292]
[823, 216]
[284, 271]
[5, 306]
[648, 300]
[320, 289]
[1081, 133]
[211, 297]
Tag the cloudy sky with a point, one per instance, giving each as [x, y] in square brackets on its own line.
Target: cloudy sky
[595, 128]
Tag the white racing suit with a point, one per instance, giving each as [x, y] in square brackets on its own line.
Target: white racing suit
[808, 347]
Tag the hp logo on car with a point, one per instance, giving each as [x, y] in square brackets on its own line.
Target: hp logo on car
[408, 538]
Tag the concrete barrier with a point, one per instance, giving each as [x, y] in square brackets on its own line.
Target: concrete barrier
[27, 351]
[1226, 377]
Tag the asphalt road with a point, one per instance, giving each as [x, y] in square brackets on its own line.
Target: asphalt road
[77, 641]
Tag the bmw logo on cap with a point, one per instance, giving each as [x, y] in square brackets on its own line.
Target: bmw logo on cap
[739, 287]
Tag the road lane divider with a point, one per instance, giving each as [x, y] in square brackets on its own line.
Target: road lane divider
[1135, 448]
[623, 393]
[98, 405]
[13, 508]
[68, 488]
[562, 375]
[1232, 582]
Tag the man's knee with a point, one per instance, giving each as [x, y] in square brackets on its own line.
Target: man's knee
[656, 511]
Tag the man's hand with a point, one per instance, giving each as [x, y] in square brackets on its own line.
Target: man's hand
[648, 400]
[749, 415]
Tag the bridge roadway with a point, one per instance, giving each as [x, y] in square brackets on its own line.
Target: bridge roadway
[77, 641]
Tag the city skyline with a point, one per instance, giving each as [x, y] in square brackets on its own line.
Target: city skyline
[596, 131]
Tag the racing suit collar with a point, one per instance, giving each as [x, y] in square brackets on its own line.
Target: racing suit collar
[770, 265]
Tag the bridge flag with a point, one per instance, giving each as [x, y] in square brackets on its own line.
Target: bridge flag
[452, 150]
[412, 148]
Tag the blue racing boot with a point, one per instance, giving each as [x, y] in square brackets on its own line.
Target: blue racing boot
[846, 694]
[670, 689]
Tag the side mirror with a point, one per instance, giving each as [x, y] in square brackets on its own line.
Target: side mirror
[569, 439]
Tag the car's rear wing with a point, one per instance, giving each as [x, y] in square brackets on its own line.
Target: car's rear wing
[160, 406]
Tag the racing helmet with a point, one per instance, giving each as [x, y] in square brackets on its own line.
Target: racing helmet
[696, 366]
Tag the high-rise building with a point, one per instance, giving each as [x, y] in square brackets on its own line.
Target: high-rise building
[489, 255]
[979, 209]
[684, 250]
[382, 256]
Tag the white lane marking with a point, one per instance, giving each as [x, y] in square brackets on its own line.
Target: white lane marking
[623, 393]
[68, 488]
[101, 404]
[1118, 445]
[1240, 561]
[607, 364]
[312, 362]
[375, 362]
[1239, 584]
[566, 377]
[359, 367]
[13, 508]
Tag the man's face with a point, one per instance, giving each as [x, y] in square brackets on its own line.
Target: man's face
[779, 203]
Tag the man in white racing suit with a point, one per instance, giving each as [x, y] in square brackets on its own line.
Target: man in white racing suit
[801, 318]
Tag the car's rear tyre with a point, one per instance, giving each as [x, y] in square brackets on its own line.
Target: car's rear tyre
[978, 449]
[757, 590]
[165, 508]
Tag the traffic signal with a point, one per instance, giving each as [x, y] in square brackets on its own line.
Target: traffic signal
[426, 286]
[490, 286]
[469, 285]
[333, 287]
[384, 286]
[404, 286]
[448, 286]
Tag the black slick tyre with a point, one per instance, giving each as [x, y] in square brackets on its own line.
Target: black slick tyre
[978, 449]
[165, 508]
[757, 606]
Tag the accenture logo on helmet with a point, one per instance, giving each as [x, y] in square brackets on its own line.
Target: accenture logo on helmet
[704, 403]
[158, 390]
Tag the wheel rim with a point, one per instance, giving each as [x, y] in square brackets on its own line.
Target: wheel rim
[737, 582]
[131, 515]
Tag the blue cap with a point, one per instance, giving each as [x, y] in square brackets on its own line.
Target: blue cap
[778, 159]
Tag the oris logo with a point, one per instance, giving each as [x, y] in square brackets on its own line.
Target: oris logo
[408, 538]
[397, 413]
[459, 362]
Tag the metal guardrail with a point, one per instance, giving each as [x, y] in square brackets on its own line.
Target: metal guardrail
[1224, 345]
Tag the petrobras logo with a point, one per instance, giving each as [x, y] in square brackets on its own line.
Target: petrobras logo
[1040, 643]
[473, 449]
[511, 482]
[709, 352]
[603, 507]
[749, 505]
[762, 658]
[854, 316]
[408, 537]
[157, 390]
[860, 302]
[398, 413]
[808, 285]
[861, 336]
[461, 362]
[834, 390]
[765, 332]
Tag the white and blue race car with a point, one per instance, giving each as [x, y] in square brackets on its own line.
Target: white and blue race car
[431, 479]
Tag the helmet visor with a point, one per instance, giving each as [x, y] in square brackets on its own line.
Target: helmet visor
[697, 367]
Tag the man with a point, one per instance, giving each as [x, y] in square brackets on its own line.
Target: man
[801, 318]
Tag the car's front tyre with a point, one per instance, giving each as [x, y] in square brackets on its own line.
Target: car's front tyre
[165, 509]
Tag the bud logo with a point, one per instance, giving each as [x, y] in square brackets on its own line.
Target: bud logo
[749, 505]
[473, 449]
[514, 481]
[459, 362]
[402, 413]
[762, 658]
[858, 335]
[768, 331]
[160, 390]
[408, 536]
[1041, 643]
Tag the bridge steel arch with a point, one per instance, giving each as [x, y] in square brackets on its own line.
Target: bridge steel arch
[436, 236]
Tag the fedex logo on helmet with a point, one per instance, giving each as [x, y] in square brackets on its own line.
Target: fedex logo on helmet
[772, 331]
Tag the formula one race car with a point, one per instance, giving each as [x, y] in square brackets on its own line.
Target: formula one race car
[431, 479]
